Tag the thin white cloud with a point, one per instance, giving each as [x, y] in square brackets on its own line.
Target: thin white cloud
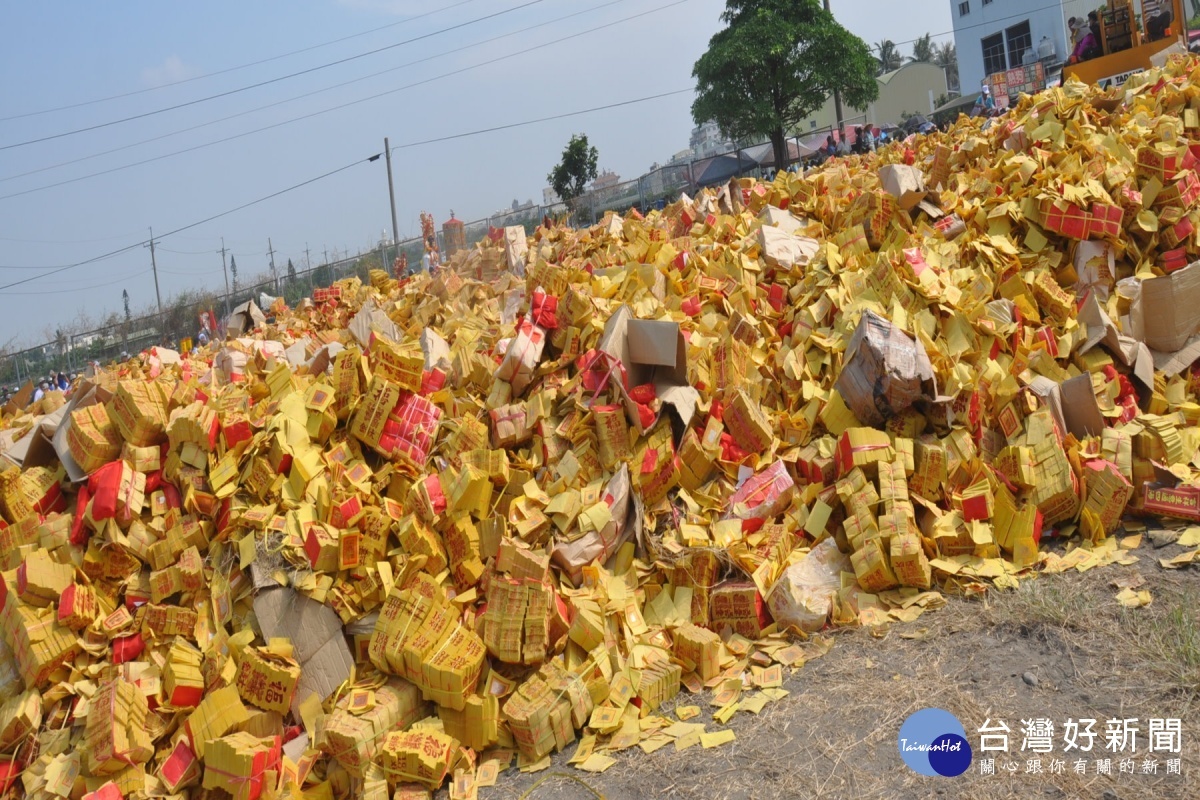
[169, 71]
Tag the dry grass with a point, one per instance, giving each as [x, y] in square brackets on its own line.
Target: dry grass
[835, 735]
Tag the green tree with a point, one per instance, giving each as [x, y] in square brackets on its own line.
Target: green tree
[233, 271]
[888, 57]
[946, 56]
[922, 50]
[571, 175]
[776, 63]
[291, 271]
[125, 301]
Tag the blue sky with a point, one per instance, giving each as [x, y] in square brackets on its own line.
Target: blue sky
[59, 54]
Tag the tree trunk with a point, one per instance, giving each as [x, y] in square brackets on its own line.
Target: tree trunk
[779, 144]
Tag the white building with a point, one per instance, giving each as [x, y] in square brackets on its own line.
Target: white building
[706, 140]
[993, 36]
[550, 197]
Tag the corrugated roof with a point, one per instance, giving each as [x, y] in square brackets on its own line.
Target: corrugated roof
[886, 77]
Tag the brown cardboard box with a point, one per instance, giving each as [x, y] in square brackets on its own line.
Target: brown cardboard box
[903, 182]
[653, 352]
[885, 371]
[1168, 309]
[316, 635]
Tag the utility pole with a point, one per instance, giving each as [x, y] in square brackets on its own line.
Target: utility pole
[274, 275]
[154, 266]
[837, 99]
[225, 269]
[307, 260]
[391, 196]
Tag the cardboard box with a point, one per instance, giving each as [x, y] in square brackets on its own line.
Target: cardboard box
[885, 371]
[903, 182]
[652, 352]
[1167, 311]
[317, 640]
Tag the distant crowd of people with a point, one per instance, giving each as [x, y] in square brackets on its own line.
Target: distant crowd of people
[54, 382]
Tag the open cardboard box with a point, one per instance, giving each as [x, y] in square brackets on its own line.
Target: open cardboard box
[1072, 403]
[1166, 314]
[36, 448]
[653, 351]
[86, 394]
[244, 319]
[316, 635]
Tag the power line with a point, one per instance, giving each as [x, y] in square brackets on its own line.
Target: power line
[341, 106]
[189, 226]
[65, 241]
[227, 70]
[440, 54]
[565, 115]
[375, 157]
[327, 65]
[72, 289]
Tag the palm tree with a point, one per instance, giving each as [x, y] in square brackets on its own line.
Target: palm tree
[946, 56]
[889, 57]
[922, 50]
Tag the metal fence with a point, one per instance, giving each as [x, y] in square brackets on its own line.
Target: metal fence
[180, 318]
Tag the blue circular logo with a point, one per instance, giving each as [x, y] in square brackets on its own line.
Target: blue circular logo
[933, 742]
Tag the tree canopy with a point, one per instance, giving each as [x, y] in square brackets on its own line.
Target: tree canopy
[776, 63]
[887, 57]
[922, 50]
[946, 56]
[571, 175]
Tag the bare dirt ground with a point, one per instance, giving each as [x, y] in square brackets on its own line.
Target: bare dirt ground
[835, 735]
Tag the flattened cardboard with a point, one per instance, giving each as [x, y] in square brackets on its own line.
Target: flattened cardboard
[316, 635]
[1171, 364]
[323, 358]
[1080, 411]
[369, 318]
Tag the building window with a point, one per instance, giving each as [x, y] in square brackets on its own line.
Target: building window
[964, 8]
[993, 54]
[1019, 40]
[987, 2]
